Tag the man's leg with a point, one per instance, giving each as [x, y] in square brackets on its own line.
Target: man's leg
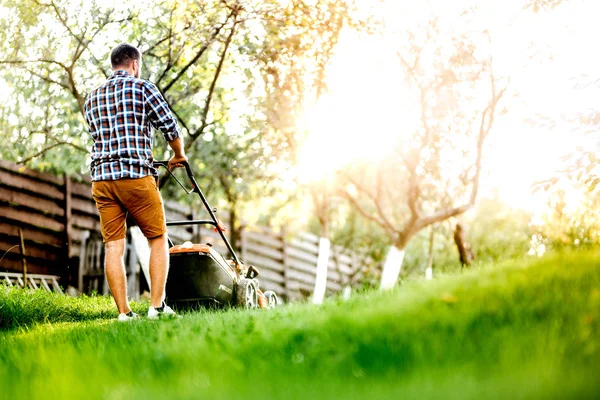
[115, 273]
[159, 268]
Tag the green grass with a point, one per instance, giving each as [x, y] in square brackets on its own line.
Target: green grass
[520, 330]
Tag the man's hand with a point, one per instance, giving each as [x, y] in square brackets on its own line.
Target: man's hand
[176, 161]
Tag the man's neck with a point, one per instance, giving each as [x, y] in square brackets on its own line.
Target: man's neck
[129, 71]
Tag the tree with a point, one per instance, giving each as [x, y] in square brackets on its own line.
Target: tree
[433, 175]
[205, 56]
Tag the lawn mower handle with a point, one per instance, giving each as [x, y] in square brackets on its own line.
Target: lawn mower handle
[211, 211]
[165, 164]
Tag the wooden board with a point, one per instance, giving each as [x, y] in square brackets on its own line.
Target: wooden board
[32, 249]
[10, 214]
[26, 172]
[32, 234]
[34, 202]
[264, 263]
[270, 274]
[252, 248]
[22, 183]
[263, 240]
[308, 258]
[84, 206]
[86, 222]
[307, 247]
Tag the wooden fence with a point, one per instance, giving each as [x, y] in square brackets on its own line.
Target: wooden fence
[52, 212]
[55, 212]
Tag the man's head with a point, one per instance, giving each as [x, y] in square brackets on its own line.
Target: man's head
[126, 57]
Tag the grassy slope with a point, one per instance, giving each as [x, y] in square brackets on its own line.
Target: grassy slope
[529, 330]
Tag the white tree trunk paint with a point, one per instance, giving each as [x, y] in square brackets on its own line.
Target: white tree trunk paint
[321, 278]
[429, 273]
[391, 268]
[346, 293]
[142, 249]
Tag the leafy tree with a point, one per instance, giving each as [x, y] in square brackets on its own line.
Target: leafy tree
[205, 56]
[570, 220]
[433, 175]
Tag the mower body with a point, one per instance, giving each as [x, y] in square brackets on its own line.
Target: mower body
[198, 275]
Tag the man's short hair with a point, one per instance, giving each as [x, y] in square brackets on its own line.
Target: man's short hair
[124, 54]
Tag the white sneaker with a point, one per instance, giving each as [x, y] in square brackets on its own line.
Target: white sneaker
[162, 312]
[128, 317]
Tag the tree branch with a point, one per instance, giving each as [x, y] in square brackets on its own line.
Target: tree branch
[198, 54]
[213, 84]
[366, 214]
[45, 149]
[381, 219]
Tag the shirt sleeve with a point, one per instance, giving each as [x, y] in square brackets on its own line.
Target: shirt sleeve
[159, 113]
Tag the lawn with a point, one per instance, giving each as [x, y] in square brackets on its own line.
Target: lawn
[521, 330]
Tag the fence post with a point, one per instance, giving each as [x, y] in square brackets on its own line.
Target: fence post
[286, 265]
[68, 226]
[23, 258]
[321, 272]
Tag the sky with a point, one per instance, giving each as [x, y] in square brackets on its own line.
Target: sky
[545, 54]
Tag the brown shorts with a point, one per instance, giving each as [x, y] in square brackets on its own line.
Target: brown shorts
[138, 197]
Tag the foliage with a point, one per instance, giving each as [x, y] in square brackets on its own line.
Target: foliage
[232, 71]
[570, 220]
[538, 5]
[495, 231]
[521, 330]
[433, 171]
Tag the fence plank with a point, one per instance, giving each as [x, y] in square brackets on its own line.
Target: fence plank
[271, 275]
[31, 234]
[31, 201]
[30, 218]
[304, 246]
[295, 253]
[263, 239]
[33, 249]
[266, 284]
[83, 190]
[26, 172]
[299, 265]
[34, 265]
[264, 263]
[300, 276]
[253, 248]
[86, 222]
[20, 182]
[84, 206]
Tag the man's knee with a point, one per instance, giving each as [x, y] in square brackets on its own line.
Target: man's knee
[160, 241]
[117, 246]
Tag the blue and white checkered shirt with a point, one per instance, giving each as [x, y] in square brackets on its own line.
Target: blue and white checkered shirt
[121, 114]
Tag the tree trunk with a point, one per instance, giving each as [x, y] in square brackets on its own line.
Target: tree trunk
[392, 267]
[234, 236]
[464, 248]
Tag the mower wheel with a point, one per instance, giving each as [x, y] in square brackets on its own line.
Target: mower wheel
[247, 294]
[272, 299]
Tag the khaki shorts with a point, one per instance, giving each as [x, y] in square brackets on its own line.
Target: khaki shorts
[138, 197]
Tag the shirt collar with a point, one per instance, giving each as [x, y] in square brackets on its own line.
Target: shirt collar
[120, 73]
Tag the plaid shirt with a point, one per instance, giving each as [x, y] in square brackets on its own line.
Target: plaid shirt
[120, 114]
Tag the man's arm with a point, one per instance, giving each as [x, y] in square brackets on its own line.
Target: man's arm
[179, 157]
[159, 113]
[162, 119]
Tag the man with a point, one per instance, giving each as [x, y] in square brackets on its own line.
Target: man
[120, 114]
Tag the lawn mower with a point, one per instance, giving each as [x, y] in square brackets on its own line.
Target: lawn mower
[200, 276]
